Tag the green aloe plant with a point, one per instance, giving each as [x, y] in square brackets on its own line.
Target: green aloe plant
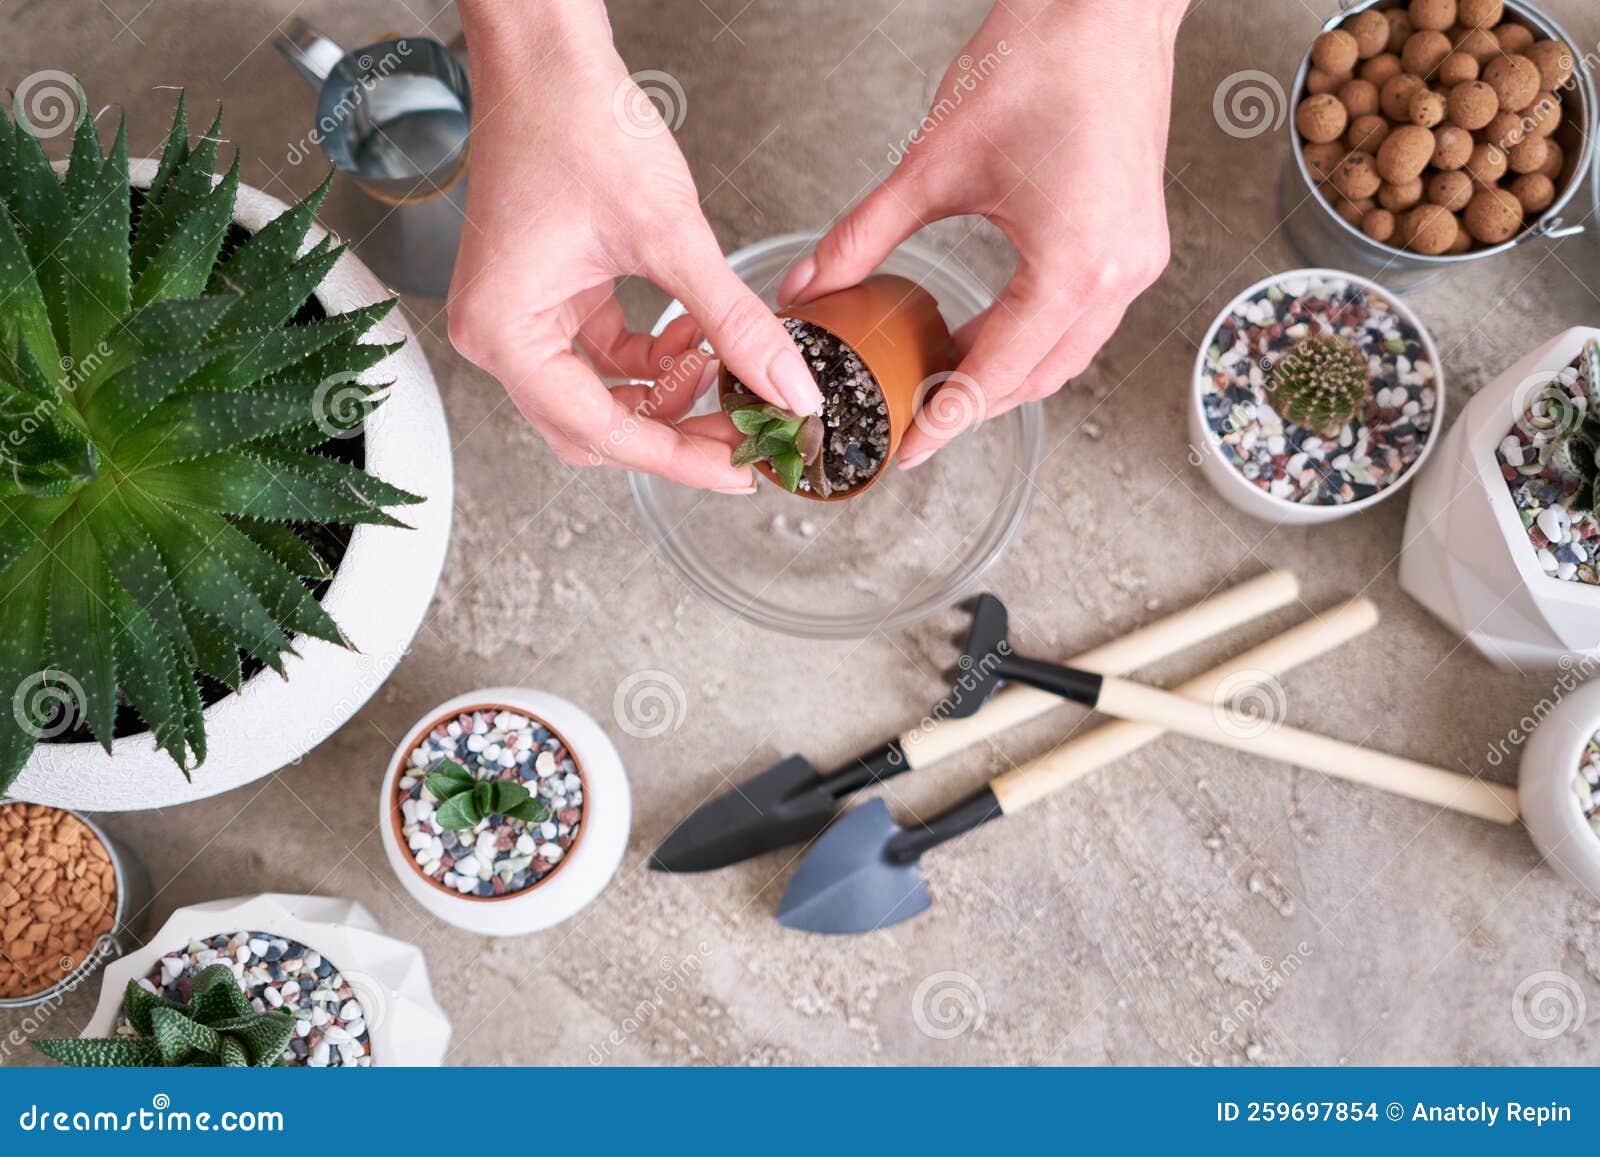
[217, 1028]
[466, 801]
[792, 444]
[164, 416]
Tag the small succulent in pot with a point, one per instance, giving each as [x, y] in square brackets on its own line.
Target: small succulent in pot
[218, 1027]
[1551, 462]
[1321, 383]
[466, 801]
[790, 443]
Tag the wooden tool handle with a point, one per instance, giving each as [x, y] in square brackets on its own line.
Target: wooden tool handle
[1050, 772]
[1012, 706]
[1217, 724]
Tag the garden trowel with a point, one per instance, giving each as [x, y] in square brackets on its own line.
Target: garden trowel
[792, 801]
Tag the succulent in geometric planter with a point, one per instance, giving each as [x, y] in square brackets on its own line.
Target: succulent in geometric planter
[165, 431]
[1551, 461]
[217, 1027]
[1321, 383]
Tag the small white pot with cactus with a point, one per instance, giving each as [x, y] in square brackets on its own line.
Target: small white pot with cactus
[1317, 394]
[226, 491]
[1502, 541]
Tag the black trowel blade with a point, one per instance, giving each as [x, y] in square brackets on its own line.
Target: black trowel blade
[766, 812]
[847, 884]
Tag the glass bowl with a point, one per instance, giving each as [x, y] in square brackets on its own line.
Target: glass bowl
[915, 543]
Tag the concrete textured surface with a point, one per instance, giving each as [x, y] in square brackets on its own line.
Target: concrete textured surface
[1185, 905]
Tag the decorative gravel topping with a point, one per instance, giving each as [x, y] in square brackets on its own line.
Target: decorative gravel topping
[1369, 453]
[1586, 784]
[501, 855]
[330, 1027]
[1553, 502]
[854, 413]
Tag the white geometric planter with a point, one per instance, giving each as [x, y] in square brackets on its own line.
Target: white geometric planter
[378, 596]
[1545, 797]
[1467, 558]
[390, 977]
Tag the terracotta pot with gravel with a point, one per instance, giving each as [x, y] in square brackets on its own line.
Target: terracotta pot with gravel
[876, 349]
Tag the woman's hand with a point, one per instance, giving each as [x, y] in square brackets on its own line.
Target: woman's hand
[1052, 124]
[575, 181]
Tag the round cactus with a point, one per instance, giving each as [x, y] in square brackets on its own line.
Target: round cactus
[1321, 383]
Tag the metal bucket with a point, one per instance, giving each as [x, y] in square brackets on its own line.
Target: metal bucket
[1322, 237]
[133, 904]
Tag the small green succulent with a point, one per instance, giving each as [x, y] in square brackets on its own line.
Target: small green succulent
[167, 407]
[466, 801]
[1573, 447]
[1321, 383]
[791, 443]
[217, 1028]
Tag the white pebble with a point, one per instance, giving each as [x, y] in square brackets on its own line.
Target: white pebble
[1566, 570]
[242, 956]
[1555, 522]
[467, 866]
[273, 997]
[548, 830]
[572, 782]
[355, 1028]
[170, 967]
[319, 1015]
[552, 852]
[475, 743]
[525, 844]
[302, 1028]
[319, 1056]
[544, 764]
[335, 1035]
[1547, 561]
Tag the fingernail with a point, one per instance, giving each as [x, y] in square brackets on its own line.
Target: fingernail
[913, 463]
[740, 490]
[796, 280]
[794, 381]
[708, 374]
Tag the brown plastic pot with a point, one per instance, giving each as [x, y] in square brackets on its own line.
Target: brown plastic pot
[894, 326]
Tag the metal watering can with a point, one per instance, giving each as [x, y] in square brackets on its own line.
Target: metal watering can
[394, 115]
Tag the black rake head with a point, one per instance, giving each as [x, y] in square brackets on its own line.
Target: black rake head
[978, 672]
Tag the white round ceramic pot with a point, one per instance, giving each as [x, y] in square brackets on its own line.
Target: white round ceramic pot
[1242, 494]
[389, 977]
[378, 595]
[588, 865]
[1545, 792]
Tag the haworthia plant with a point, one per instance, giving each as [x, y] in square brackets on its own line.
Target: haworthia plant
[1572, 444]
[161, 412]
[217, 1028]
[793, 445]
[466, 801]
